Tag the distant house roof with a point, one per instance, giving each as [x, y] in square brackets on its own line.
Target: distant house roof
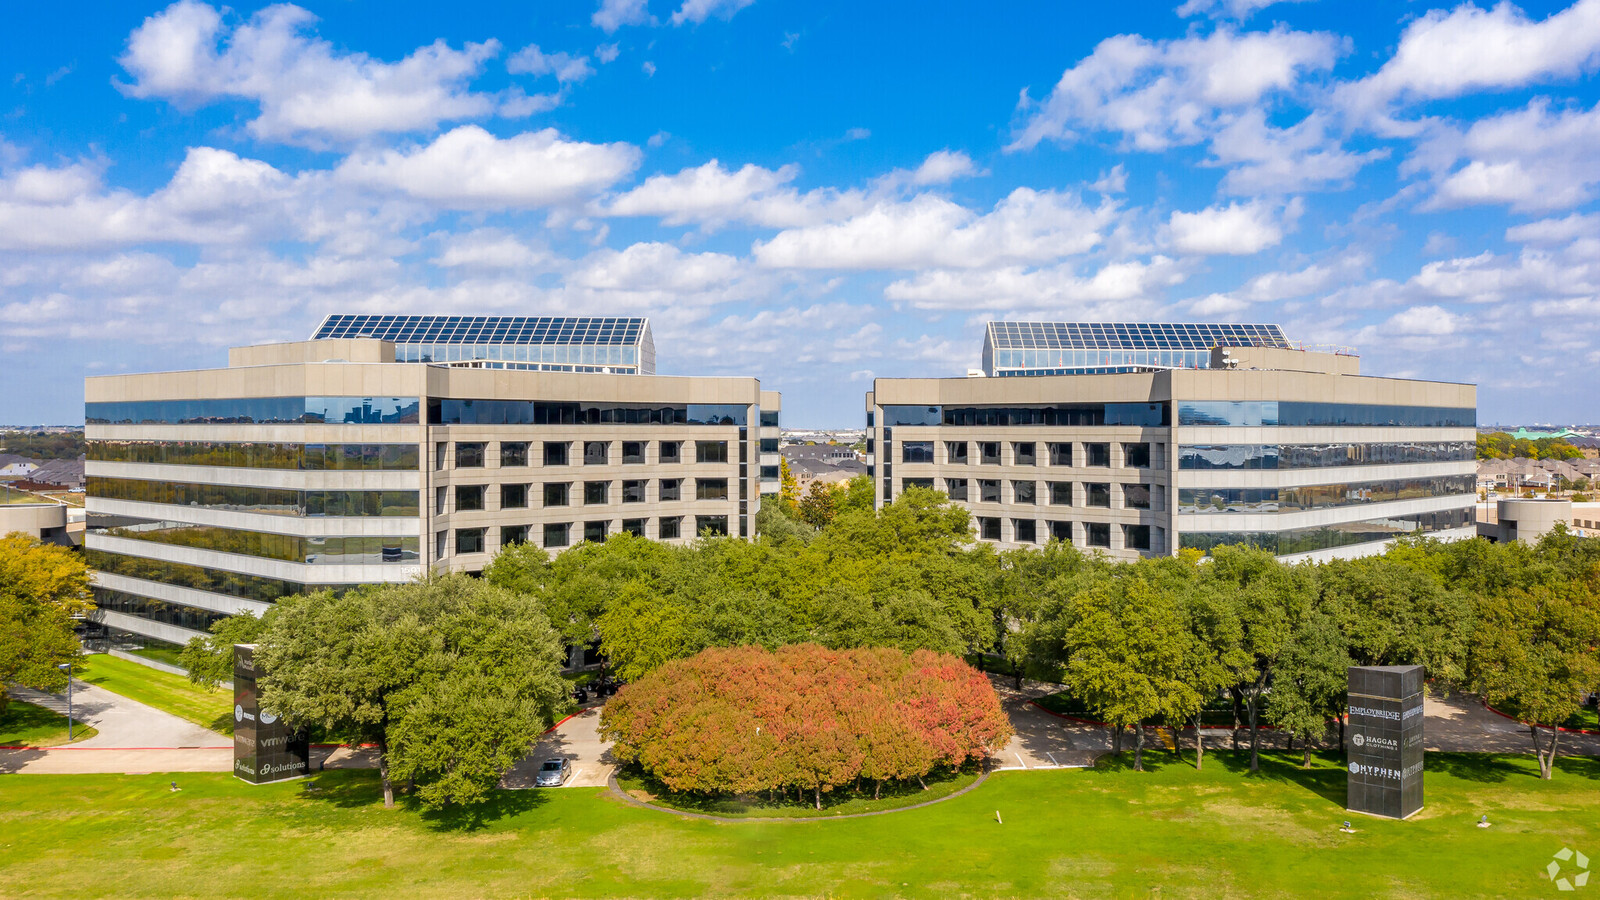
[65, 472]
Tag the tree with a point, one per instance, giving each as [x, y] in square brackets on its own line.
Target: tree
[817, 507]
[788, 487]
[452, 678]
[858, 494]
[43, 587]
[1309, 687]
[209, 660]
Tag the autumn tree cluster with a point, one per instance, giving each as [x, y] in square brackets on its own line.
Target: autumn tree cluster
[804, 718]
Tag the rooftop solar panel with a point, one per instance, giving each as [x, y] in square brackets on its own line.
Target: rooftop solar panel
[1131, 335]
[485, 329]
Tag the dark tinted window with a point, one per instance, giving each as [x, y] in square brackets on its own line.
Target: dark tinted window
[513, 453]
[557, 494]
[469, 455]
[1097, 494]
[469, 497]
[1097, 454]
[916, 452]
[513, 496]
[469, 540]
[555, 453]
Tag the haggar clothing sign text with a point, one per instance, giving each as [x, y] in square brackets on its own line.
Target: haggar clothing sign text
[1383, 743]
[265, 748]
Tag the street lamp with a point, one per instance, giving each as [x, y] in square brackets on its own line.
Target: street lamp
[67, 668]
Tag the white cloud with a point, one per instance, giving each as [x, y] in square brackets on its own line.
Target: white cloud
[488, 249]
[697, 11]
[1238, 229]
[1555, 231]
[607, 53]
[306, 90]
[713, 197]
[1119, 289]
[1027, 226]
[469, 168]
[614, 14]
[1264, 159]
[1112, 182]
[568, 68]
[1163, 93]
[1447, 54]
[1269, 287]
[943, 167]
[1233, 9]
[1530, 159]
[1424, 320]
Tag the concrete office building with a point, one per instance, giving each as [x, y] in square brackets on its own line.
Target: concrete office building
[1285, 449]
[327, 463]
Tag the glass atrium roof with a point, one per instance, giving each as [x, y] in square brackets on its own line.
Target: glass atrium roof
[486, 329]
[1130, 336]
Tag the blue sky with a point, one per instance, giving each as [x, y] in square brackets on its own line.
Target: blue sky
[812, 193]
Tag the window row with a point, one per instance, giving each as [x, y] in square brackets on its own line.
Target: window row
[1305, 540]
[270, 501]
[448, 411]
[324, 551]
[1052, 493]
[1025, 453]
[257, 411]
[1322, 456]
[263, 455]
[190, 617]
[215, 581]
[555, 535]
[1290, 412]
[1095, 534]
[474, 497]
[1086, 415]
[1321, 496]
[474, 454]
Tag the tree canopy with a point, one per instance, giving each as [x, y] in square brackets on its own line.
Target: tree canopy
[42, 587]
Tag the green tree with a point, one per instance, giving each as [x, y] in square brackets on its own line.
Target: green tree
[452, 678]
[819, 504]
[858, 494]
[43, 587]
[1310, 682]
[209, 660]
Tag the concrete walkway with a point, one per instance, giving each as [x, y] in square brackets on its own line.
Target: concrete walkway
[123, 723]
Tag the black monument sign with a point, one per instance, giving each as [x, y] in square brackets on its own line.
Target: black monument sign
[1383, 742]
[264, 747]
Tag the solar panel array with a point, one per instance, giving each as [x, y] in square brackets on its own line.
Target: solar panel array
[592, 330]
[1131, 336]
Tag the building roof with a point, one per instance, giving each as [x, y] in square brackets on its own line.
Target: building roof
[592, 330]
[58, 471]
[1131, 336]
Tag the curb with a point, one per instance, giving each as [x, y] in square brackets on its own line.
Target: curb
[120, 749]
[1531, 724]
[615, 788]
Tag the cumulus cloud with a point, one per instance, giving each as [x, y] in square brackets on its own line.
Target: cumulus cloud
[1263, 159]
[488, 249]
[469, 168]
[566, 67]
[1555, 231]
[1158, 94]
[697, 11]
[614, 14]
[1424, 320]
[307, 91]
[1531, 159]
[1238, 229]
[713, 196]
[1027, 226]
[1129, 288]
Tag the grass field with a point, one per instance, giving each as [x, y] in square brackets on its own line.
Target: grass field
[26, 725]
[163, 690]
[1106, 832]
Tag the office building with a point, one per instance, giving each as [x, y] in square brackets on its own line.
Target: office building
[328, 463]
[1285, 449]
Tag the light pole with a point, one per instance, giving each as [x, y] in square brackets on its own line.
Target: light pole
[67, 668]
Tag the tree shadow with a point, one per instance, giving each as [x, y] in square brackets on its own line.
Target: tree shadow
[1327, 780]
[361, 789]
[1483, 768]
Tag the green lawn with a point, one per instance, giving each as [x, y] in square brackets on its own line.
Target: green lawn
[26, 725]
[1106, 832]
[163, 690]
[841, 802]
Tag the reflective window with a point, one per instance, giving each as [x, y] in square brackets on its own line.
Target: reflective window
[469, 540]
[769, 418]
[270, 501]
[711, 488]
[596, 453]
[769, 445]
[1136, 537]
[717, 525]
[1272, 412]
[989, 490]
[1321, 496]
[558, 494]
[1061, 454]
[557, 534]
[596, 492]
[469, 497]
[257, 410]
[988, 528]
[1022, 491]
[1305, 540]
[668, 527]
[320, 550]
[1097, 534]
[911, 415]
[672, 489]
[160, 611]
[513, 496]
[671, 451]
[1061, 531]
[450, 411]
[634, 491]
[916, 451]
[1096, 494]
[955, 452]
[469, 455]
[1136, 496]
[989, 453]
[1061, 493]
[513, 453]
[956, 488]
[1025, 531]
[633, 452]
[916, 482]
[1071, 414]
[513, 534]
[1319, 456]
[555, 453]
[1022, 452]
[1136, 456]
[634, 527]
[200, 578]
[595, 532]
[711, 451]
[1097, 454]
[260, 455]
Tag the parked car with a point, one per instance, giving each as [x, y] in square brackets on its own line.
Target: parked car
[554, 773]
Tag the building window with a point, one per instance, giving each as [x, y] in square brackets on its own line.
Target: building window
[439, 451]
[558, 494]
[1097, 495]
[956, 488]
[441, 543]
[769, 444]
[989, 453]
[469, 540]
[595, 532]
[596, 453]
[667, 527]
[671, 451]
[988, 528]
[1136, 537]
[671, 489]
[717, 525]
[633, 452]
[555, 454]
[594, 492]
[1060, 493]
[634, 527]
[711, 488]
[513, 534]
[1061, 531]
[916, 451]
[1136, 496]
[440, 498]
[513, 453]
[469, 497]
[916, 482]
[956, 452]
[513, 496]
[1025, 531]
[1136, 456]
[633, 491]
[1097, 534]
[1024, 453]
[989, 490]
[469, 455]
[1097, 454]
[1061, 454]
[711, 451]
[557, 534]
[1022, 491]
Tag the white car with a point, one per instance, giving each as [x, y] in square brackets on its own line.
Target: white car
[554, 773]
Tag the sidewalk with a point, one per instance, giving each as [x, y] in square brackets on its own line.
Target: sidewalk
[123, 723]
